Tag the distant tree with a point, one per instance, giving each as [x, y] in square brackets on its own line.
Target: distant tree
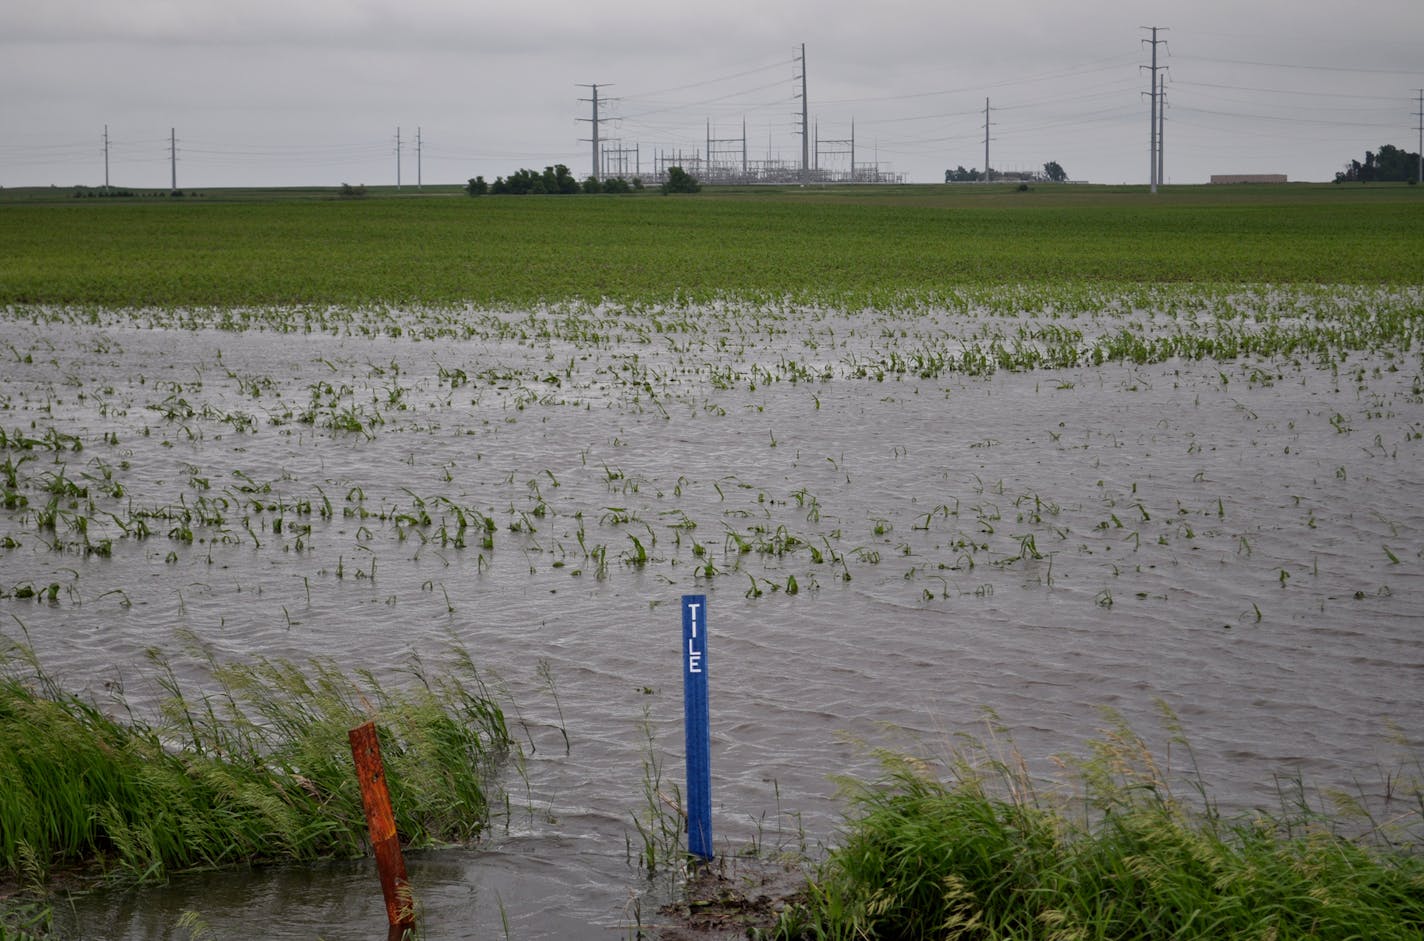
[638, 183]
[961, 175]
[520, 183]
[1054, 172]
[1390, 164]
[680, 181]
[553, 180]
[558, 179]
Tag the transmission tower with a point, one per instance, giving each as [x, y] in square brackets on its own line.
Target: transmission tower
[106, 156]
[173, 159]
[1420, 115]
[594, 122]
[1161, 126]
[1153, 154]
[398, 150]
[988, 177]
[805, 118]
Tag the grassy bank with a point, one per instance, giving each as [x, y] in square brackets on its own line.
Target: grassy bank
[854, 246]
[980, 853]
[258, 769]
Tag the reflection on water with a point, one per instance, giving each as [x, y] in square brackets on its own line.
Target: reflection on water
[1243, 546]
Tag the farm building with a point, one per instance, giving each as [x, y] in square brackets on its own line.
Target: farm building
[1248, 178]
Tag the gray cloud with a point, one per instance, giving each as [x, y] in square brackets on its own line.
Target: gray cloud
[312, 92]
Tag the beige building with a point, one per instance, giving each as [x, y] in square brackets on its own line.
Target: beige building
[1248, 177]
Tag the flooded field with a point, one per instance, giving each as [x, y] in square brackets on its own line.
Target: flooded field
[906, 521]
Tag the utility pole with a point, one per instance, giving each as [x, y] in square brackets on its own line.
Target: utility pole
[398, 150]
[596, 154]
[1153, 157]
[805, 120]
[1161, 127]
[106, 157]
[173, 160]
[987, 176]
[417, 158]
[1420, 116]
[597, 173]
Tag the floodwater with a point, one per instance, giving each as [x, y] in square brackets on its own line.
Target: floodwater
[1241, 541]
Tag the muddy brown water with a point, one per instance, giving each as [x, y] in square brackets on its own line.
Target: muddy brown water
[1239, 541]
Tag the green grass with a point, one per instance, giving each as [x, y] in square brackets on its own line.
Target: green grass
[845, 247]
[257, 770]
[983, 855]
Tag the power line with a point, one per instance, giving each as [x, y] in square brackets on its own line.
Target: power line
[1307, 110]
[1275, 91]
[1045, 77]
[1286, 120]
[713, 81]
[1311, 68]
[671, 106]
[1114, 115]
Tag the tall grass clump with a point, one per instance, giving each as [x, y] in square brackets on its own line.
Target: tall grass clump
[257, 770]
[981, 854]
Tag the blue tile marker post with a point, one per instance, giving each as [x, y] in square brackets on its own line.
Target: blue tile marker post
[695, 715]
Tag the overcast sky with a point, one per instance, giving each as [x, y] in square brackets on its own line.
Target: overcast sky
[311, 92]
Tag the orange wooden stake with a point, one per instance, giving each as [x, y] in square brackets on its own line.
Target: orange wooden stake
[376, 800]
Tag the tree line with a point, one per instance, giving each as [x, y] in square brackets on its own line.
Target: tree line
[557, 180]
[1390, 163]
[1052, 172]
